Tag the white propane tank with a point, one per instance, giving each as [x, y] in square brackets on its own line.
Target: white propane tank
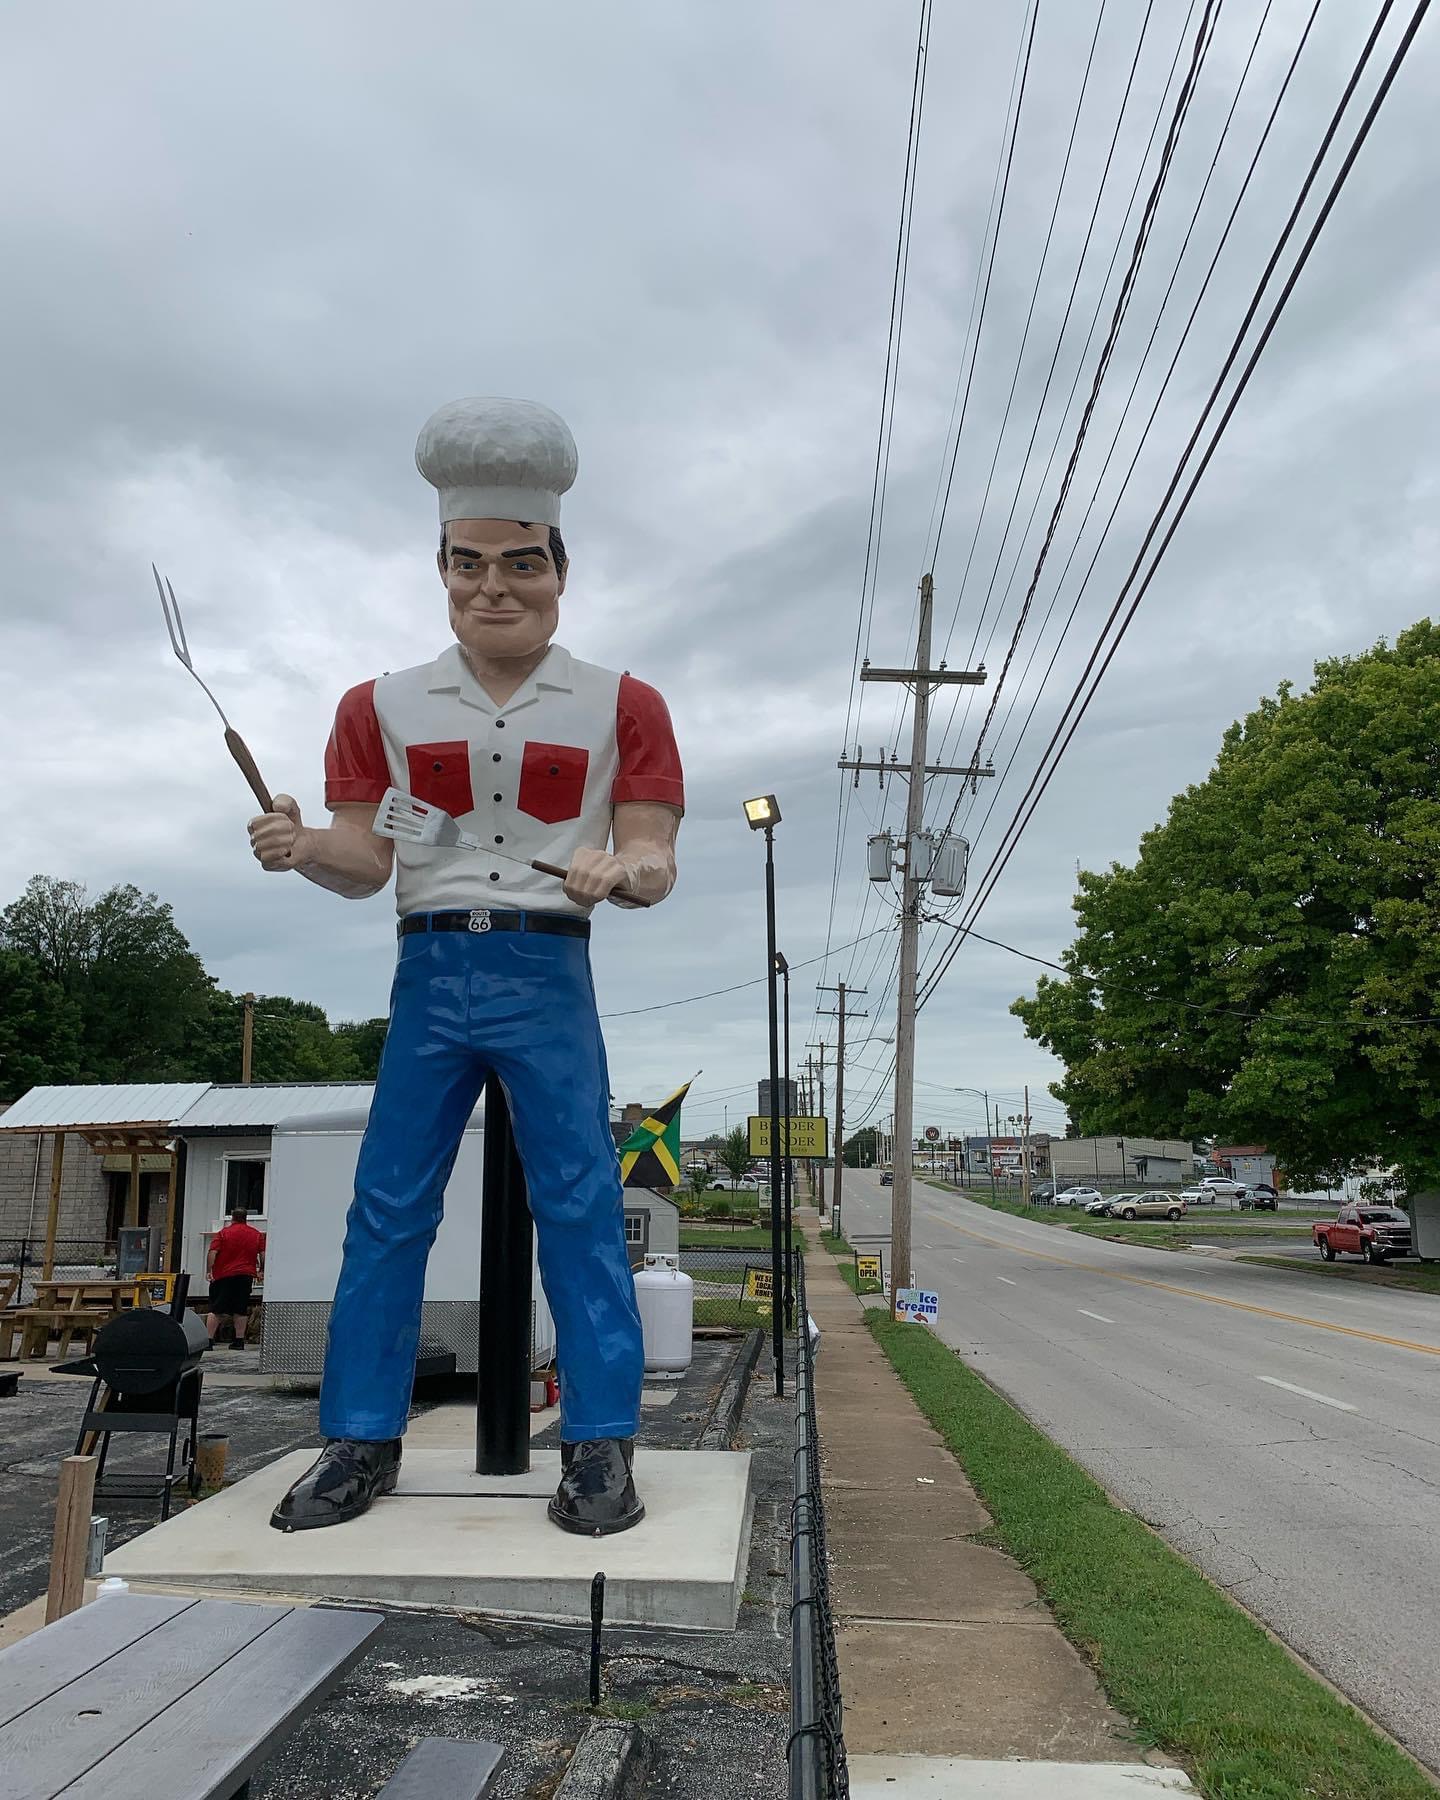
[666, 1297]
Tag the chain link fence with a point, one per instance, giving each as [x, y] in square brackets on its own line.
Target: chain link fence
[76, 1259]
[733, 1287]
[817, 1745]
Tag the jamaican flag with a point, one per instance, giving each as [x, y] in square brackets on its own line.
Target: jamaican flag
[650, 1156]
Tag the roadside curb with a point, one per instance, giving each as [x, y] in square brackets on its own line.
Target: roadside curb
[611, 1762]
[724, 1422]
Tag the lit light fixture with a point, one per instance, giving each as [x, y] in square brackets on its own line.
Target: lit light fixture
[762, 812]
[781, 966]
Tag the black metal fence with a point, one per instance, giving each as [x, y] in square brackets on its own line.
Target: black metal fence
[76, 1259]
[733, 1286]
[817, 1745]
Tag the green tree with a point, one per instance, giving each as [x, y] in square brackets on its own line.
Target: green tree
[138, 988]
[863, 1150]
[1268, 970]
[735, 1154]
[362, 1041]
[39, 1028]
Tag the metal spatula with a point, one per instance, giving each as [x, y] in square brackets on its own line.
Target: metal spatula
[410, 821]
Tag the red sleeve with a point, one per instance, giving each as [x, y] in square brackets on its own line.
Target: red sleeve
[355, 765]
[649, 761]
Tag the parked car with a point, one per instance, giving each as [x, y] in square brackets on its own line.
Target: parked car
[1259, 1199]
[1152, 1205]
[1222, 1184]
[887, 1179]
[1374, 1232]
[1043, 1194]
[1077, 1196]
[1198, 1196]
[1099, 1208]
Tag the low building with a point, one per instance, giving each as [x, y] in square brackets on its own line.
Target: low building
[1155, 1162]
[1250, 1163]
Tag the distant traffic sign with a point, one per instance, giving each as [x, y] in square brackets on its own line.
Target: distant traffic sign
[932, 1134]
[808, 1137]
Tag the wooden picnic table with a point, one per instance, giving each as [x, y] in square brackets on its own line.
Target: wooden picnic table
[158, 1694]
[70, 1306]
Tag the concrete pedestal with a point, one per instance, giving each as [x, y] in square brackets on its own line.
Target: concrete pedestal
[451, 1538]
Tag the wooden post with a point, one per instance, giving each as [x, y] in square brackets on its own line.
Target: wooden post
[132, 1199]
[169, 1260]
[71, 1542]
[52, 1219]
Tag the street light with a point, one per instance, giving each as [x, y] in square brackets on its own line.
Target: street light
[982, 1094]
[784, 968]
[763, 814]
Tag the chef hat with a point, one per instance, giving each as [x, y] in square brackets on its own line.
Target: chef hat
[497, 459]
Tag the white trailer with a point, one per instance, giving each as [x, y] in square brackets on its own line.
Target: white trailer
[311, 1181]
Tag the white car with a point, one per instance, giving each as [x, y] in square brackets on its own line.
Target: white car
[1198, 1196]
[1077, 1196]
[1222, 1184]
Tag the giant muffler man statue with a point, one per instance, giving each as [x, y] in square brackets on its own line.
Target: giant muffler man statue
[542, 756]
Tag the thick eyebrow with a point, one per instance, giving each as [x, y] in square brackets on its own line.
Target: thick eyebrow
[529, 550]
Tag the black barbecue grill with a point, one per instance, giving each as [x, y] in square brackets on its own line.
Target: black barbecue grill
[146, 1366]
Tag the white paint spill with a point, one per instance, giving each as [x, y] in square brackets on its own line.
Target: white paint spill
[432, 1688]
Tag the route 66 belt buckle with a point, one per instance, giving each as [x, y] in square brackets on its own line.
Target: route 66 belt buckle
[479, 919]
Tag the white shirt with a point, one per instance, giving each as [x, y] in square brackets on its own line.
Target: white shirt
[537, 777]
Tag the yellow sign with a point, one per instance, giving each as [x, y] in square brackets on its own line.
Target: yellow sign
[868, 1268]
[808, 1137]
[759, 1284]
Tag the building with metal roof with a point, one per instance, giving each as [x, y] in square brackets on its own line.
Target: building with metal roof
[260, 1106]
[103, 1106]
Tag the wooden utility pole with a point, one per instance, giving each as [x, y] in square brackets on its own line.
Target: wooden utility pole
[917, 849]
[840, 1012]
[820, 1166]
[247, 1039]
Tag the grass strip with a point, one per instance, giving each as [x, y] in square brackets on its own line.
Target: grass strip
[1201, 1679]
[844, 1253]
[696, 1237]
[1421, 1278]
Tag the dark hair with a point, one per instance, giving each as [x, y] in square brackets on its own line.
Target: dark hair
[557, 545]
[240, 1212]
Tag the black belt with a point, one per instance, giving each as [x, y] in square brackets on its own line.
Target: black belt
[485, 918]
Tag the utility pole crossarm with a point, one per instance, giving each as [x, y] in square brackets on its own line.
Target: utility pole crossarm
[970, 771]
[931, 677]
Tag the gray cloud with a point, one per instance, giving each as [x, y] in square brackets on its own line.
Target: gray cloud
[249, 251]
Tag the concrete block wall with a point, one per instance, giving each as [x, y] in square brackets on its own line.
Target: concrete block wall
[82, 1187]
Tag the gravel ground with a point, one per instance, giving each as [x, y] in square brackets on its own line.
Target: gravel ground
[714, 1705]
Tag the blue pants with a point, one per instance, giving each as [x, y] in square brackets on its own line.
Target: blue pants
[465, 1003]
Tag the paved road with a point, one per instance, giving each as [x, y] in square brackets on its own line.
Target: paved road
[1283, 1434]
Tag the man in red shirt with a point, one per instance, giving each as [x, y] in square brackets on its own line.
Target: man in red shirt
[237, 1256]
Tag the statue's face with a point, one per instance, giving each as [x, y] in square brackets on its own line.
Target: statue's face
[503, 586]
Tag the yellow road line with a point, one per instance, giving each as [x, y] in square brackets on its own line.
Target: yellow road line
[1170, 1287]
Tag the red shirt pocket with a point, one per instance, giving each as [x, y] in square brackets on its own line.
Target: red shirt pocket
[552, 782]
[440, 775]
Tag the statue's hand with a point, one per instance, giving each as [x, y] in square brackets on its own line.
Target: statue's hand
[275, 836]
[595, 875]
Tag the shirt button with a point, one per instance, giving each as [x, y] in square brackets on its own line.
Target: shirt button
[438, 766]
[499, 798]
[554, 769]
[499, 840]
[494, 876]
[495, 757]
[499, 724]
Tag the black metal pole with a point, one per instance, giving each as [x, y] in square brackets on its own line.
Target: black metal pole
[777, 1207]
[502, 1415]
[789, 1171]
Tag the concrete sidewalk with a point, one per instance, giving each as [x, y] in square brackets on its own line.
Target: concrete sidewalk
[951, 1666]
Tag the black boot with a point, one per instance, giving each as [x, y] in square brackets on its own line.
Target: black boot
[597, 1494]
[340, 1485]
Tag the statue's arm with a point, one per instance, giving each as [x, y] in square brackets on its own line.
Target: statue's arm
[346, 856]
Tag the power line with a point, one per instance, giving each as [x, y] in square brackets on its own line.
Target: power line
[1041, 781]
[663, 1005]
[1126, 987]
[1143, 438]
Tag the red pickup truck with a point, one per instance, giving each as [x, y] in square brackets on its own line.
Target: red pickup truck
[1373, 1232]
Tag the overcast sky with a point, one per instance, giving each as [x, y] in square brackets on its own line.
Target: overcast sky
[249, 249]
